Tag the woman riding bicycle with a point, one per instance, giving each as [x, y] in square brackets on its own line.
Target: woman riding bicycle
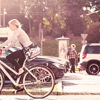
[19, 35]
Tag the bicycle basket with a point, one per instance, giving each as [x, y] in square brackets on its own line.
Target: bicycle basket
[33, 52]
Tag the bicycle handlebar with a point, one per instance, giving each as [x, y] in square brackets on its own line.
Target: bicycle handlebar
[1, 51]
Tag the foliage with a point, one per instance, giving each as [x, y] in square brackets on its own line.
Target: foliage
[93, 33]
[95, 3]
[50, 48]
[62, 17]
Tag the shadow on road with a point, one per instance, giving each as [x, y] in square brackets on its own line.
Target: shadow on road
[72, 77]
[22, 99]
[35, 99]
[68, 84]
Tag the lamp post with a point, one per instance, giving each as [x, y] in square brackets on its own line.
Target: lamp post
[0, 13]
[25, 8]
[4, 16]
[27, 15]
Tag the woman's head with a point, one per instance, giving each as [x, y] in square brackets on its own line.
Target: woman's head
[14, 24]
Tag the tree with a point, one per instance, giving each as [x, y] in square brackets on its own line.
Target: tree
[93, 33]
[62, 17]
[72, 11]
[94, 4]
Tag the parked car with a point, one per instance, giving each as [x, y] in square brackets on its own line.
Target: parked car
[57, 65]
[90, 58]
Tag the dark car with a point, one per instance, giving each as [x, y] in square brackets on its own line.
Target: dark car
[57, 65]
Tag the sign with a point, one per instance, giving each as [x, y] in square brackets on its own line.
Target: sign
[84, 36]
[84, 41]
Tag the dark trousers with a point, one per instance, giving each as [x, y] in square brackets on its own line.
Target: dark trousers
[16, 58]
[72, 62]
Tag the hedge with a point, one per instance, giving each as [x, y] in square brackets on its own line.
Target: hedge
[50, 47]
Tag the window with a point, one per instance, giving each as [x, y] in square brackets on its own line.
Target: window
[92, 50]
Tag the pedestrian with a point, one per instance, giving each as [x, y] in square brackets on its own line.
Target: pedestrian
[72, 54]
[18, 35]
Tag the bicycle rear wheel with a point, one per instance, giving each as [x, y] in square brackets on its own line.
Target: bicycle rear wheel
[39, 82]
[1, 80]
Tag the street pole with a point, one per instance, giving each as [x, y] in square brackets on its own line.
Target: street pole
[0, 13]
[41, 41]
[84, 36]
[4, 16]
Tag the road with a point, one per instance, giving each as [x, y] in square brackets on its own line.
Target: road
[75, 86]
[61, 97]
[81, 83]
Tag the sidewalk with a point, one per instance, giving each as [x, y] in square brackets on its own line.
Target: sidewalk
[76, 83]
[51, 97]
[69, 96]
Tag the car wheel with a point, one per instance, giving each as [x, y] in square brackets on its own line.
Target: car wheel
[93, 69]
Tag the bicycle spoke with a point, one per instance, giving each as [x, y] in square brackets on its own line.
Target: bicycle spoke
[1, 81]
[41, 86]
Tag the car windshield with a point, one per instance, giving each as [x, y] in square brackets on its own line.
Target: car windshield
[92, 50]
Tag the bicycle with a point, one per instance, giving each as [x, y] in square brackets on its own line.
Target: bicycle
[38, 81]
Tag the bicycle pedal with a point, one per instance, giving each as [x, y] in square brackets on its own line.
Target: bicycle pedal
[19, 90]
[15, 92]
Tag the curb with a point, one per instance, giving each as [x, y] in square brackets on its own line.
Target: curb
[84, 93]
[12, 92]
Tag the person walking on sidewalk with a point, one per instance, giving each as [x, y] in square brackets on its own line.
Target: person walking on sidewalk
[72, 54]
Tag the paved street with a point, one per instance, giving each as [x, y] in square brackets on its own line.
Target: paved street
[75, 86]
[81, 83]
[75, 83]
[61, 97]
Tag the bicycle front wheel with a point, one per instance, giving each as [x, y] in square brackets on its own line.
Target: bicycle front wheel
[39, 82]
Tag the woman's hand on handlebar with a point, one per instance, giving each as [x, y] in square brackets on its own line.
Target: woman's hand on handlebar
[1, 51]
[4, 49]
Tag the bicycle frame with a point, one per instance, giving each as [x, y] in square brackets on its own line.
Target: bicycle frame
[6, 73]
[16, 83]
[36, 82]
[12, 70]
